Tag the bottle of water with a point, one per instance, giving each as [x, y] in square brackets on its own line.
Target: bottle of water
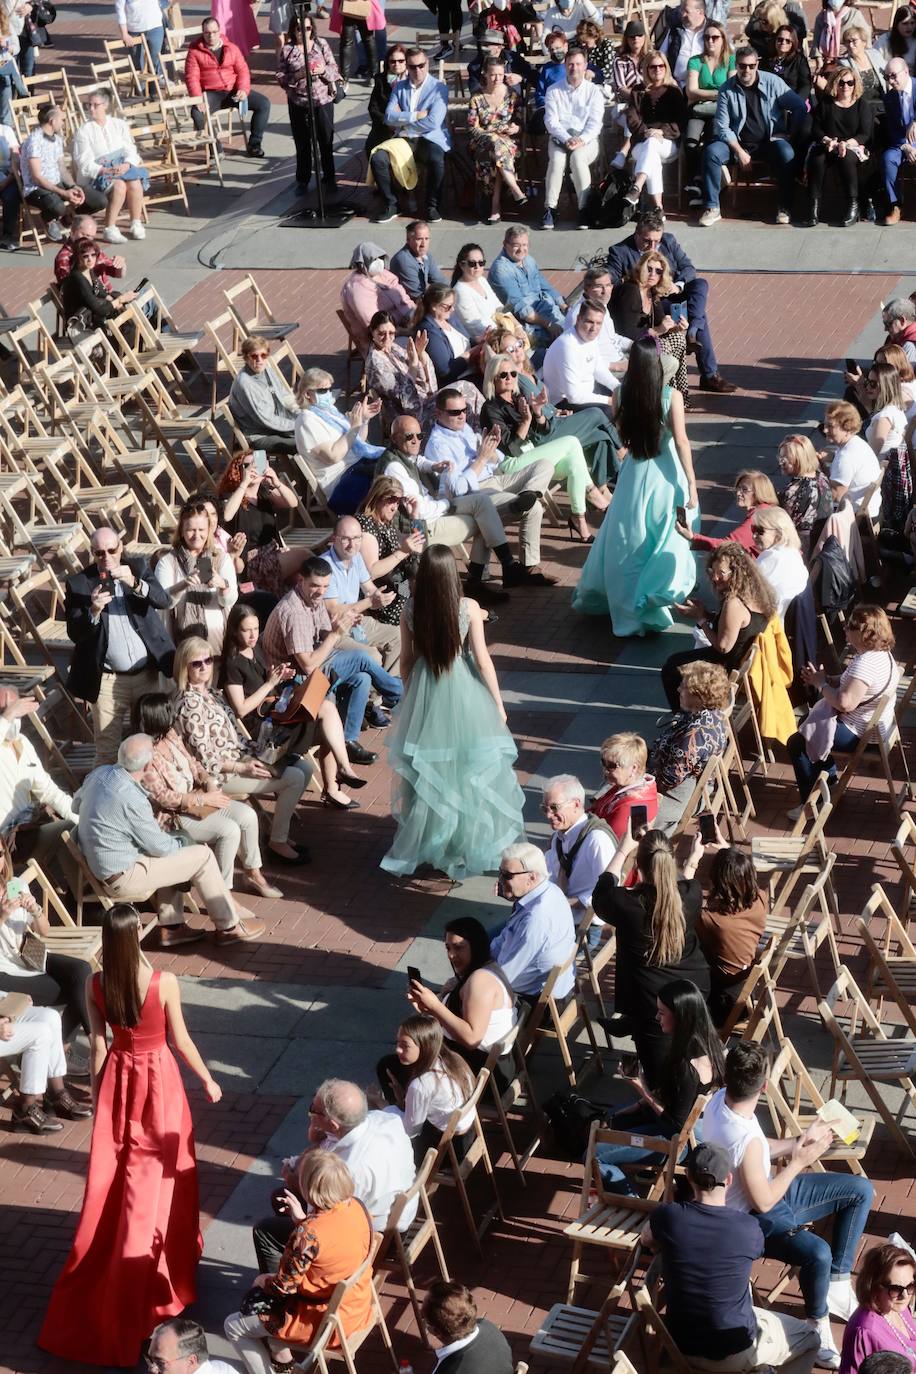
[405, 1367]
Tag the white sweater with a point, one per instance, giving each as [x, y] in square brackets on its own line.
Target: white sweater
[23, 780]
[138, 16]
[93, 141]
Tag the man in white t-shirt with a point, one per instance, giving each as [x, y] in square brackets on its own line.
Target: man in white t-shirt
[855, 466]
[573, 366]
[786, 1201]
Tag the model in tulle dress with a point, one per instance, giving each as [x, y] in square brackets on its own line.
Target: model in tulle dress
[639, 566]
[134, 1258]
[456, 798]
[237, 22]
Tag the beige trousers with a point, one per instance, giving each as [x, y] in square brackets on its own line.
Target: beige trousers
[287, 788]
[118, 694]
[194, 864]
[783, 1342]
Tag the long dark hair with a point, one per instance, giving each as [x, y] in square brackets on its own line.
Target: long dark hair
[694, 1036]
[898, 45]
[240, 611]
[155, 715]
[436, 594]
[639, 418]
[427, 1035]
[470, 929]
[733, 882]
[462, 254]
[121, 964]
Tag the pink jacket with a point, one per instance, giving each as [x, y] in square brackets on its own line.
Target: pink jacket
[375, 21]
[361, 296]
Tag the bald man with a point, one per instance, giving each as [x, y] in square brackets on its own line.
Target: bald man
[351, 586]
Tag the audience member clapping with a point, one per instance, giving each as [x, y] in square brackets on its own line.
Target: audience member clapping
[779, 561]
[332, 442]
[253, 500]
[623, 763]
[696, 732]
[426, 1082]
[883, 1320]
[209, 728]
[199, 577]
[403, 377]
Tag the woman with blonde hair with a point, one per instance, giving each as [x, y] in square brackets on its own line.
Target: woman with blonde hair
[747, 604]
[656, 116]
[657, 942]
[696, 733]
[332, 1238]
[199, 577]
[779, 558]
[842, 135]
[765, 22]
[807, 499]
[640, 307]
[627, 784]
[753, 491]
[388, 551]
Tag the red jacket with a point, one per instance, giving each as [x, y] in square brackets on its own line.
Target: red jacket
[613, 806]
[202, 72]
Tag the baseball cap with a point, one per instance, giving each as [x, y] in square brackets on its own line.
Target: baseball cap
[709, 1166]
[634, 29]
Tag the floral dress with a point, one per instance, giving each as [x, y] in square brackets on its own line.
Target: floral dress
[493, 148]
[684, 746]
[389, 541]
[805, 500]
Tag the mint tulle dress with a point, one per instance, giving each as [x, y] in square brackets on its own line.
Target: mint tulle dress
[456, 798]
[639, 565]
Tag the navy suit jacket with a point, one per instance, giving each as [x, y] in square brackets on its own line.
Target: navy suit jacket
[624, 256]
[894, 125]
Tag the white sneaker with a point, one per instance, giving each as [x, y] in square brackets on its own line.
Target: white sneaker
[725, 178]
[619, 161]
[841, 1300]
[827, 1357]
[709, 217]
[54, 231]
[112, 234]
[137, 229]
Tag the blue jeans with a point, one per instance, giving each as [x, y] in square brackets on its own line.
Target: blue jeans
[891, 159]
[695, 296]
[359, 674]
[845, 1197]
[806, 771]
[27, 57]
[154, 38]
[778, 152]
[10, 82]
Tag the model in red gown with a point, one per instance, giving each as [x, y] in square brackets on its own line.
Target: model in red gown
[134, 1259]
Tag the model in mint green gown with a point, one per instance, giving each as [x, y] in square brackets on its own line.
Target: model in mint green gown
[456, 798]
[639, 565]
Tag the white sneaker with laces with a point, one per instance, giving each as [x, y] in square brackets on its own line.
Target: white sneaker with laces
[137, 229]
[54, 231]
[112, 234]
[841, 1300]
[827, 1357]
[710, 217]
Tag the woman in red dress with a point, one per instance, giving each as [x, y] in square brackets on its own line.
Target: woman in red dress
[137, 1245]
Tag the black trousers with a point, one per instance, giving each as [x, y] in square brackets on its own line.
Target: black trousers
[428, 155]
[51, 206]
[849, 170]
[449, 16]
[270, 1237]
[351, 26]
[63, 982]
[258, 106]
[300, 123]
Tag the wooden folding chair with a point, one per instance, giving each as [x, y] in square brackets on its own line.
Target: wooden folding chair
[252, 315]
[549, 1020]
[764, 1022]
[402, 1249]
[160, 159]
[595, 961]
[78, 942]
[744, 713]
[589, 1339]
[198, 150]
[904, 851]
[331, 1329]
[448, 1171]
[736, 1021]
[517, 1092]
[792, 1099]
[802, 854]
[799, 936]
[872, 737]
[656, 1329]
[892, 958]
[864, 1053]
[32, 230]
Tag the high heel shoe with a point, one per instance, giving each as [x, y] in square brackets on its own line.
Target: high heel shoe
[576, 533]
[328, 800]
[351, 779]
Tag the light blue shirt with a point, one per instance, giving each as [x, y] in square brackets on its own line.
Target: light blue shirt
[460, 446]
[520, 284]
[539, 934]
[346, 581]
[116, 823]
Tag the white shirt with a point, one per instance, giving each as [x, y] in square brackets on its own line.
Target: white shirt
[575, 113]
[138, 16]
[786, 573]
[23, 780]
[572, 368]
[691, 46]
[592, 858]
[612, 347]
[378, 1154]
[444, 1351]
[475, 309]
[214, 610]
[432, 1097]
[566, 19]
[719, 1125]
[856, 467]
[9, 145]
[93, 141]
[313, 431]
[896, 432]
[216, 1367]
[428, 507]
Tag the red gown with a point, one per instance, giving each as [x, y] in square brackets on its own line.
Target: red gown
[134, 1259]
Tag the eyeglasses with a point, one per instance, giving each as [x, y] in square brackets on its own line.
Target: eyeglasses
[653, 267]
[201, 662]
[845, 83]
[504, 875]
[554, 808]
[463, 410]
[258, 356]
[608, 765]
[107, 553]
[747, 66]
[503, 376]
[899, 1290]
[475, 262]
[414, 434]
[157, 1364]
[782, 42]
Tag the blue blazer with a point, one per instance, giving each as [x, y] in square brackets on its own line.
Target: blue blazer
[448, 367]
[894, 124]
[433, 99]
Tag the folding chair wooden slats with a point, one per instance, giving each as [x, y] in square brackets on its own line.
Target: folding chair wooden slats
[792, 1099]
[562, 1020]
[449, 1171]
[890, 974]
[872, 737]
[402, 1249]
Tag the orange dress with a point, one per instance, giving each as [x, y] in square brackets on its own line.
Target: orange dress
[324, 1249]
[134, 1259]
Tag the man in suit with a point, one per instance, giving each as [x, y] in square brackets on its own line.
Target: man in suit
[417, 111]
[414, 265]
[467, 1344]
[649, 234]
[899, 115]
[121, 642]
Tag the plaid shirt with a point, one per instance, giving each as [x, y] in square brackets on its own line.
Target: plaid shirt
[293, 627]
[63, 264]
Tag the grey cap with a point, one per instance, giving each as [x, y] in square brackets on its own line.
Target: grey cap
[709, 1166]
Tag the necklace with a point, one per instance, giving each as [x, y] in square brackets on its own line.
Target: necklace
[902, 1332]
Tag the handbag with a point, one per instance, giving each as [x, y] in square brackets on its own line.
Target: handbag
[306, 700]
[14, 1004]
[34, 952]
[355, 9]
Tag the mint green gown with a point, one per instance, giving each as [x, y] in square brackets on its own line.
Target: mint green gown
[456, 798]
[639, 565]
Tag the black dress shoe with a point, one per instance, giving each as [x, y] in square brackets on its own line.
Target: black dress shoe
[357, 754]
[351, 780]
[63, 1105]
[533, 577]
[522, 504]
[302, 857]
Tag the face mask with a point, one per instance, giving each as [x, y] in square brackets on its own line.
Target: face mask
[325, 399]
[835, 5]
[500, 4]
[375, 266]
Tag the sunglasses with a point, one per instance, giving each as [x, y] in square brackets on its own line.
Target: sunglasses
[414, 434]
[396, 62]
[608, 765]
[475, 262]
[782, 42]
[503, 376]
[554, 808]
[758, 529]
[259, 356]
[747, 66]
[716, 38]
[201, 662]
[505, 876]
[106, 553]
[845, 83]
[652, 267]
[899, 1290]
[416, 66]
[463, 410]
[656, 67]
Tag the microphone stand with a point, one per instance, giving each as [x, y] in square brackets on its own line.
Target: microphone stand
[306, 218]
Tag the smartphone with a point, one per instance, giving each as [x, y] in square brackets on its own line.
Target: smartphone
[418, 527]
[852, 365]
[105, 576]
[413, 973]
[260, 460]
[639, 816]
[205, 568]
[372, 395]
[13, 888]
[682, 515]
[707, 824]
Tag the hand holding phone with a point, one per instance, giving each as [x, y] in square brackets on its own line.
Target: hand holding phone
[853, 367]
[205, 568]
[639, 818]
[707, 824]
[681, 514]
[413, 973]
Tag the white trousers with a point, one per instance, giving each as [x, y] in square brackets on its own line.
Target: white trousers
[250, 1337]
[580, 164]
[649, 157]
[37, 1037]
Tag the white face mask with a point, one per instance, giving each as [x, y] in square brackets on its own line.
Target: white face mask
[835, 5]
[325, 399]
[375, 266]
[500, 4]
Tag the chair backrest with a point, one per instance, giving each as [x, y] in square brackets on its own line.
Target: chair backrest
[655, 1326]
[904, 851]
[416, 1192]
[895, 944]
[743, 997]
[454, 1120]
